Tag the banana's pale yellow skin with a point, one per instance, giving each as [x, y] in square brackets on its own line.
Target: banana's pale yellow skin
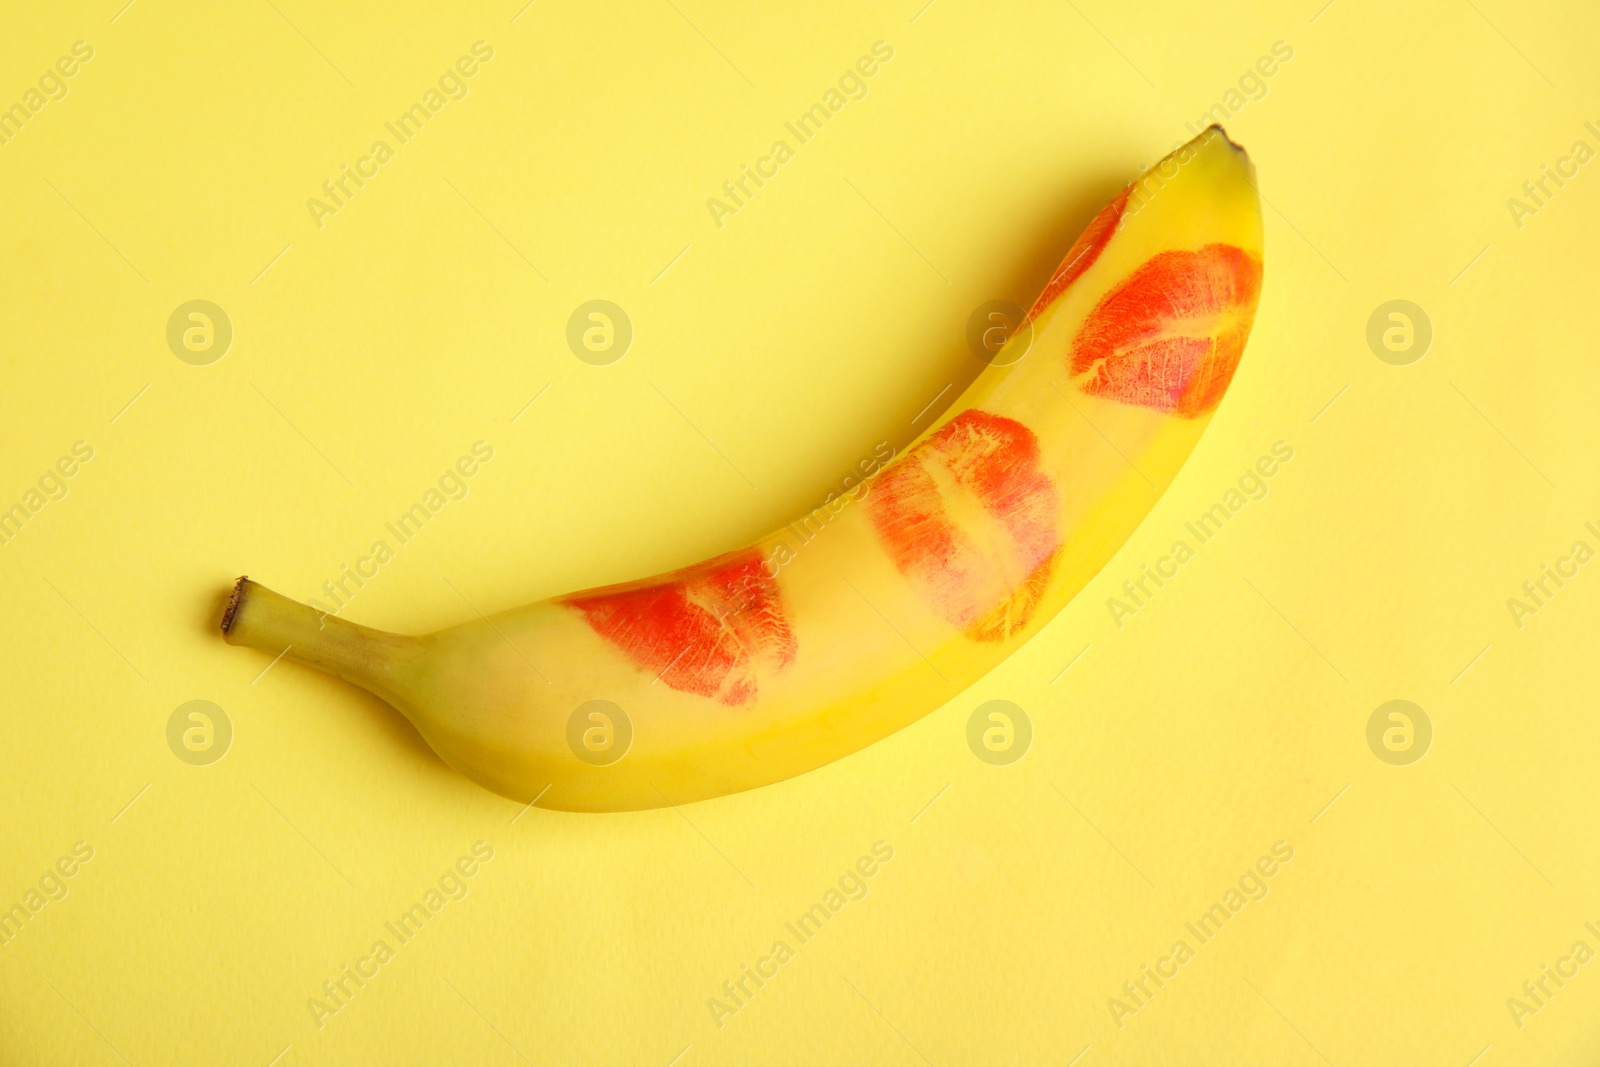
[859, 618]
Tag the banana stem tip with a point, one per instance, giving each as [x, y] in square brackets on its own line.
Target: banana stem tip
[234, 602]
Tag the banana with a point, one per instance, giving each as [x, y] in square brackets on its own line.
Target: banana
[883, 604]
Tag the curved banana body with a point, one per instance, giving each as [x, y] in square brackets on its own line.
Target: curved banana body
[883, 604]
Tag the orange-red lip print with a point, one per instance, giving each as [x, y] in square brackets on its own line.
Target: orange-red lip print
[970, 521]
[708, 630]
[1084, 251]
[1169, 336]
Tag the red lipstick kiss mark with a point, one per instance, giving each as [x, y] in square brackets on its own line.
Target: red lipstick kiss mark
[1084, 251]
[1169, 336]
[710, 629]
[969, 520]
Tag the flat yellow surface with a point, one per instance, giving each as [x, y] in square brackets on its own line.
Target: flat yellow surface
[773, 348]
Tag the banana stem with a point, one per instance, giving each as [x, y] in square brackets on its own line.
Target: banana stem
[259, 618]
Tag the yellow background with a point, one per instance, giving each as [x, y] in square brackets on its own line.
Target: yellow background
[822, 318]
